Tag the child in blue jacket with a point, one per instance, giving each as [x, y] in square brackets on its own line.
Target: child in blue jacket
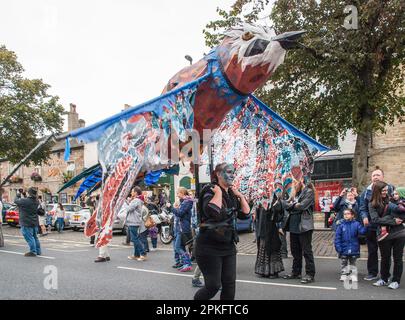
[347, 242]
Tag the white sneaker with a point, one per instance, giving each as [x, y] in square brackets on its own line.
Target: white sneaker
[394, 285]
[380, 283]
[354, 278]
[343, 277]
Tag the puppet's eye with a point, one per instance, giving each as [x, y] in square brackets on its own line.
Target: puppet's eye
[247, 36]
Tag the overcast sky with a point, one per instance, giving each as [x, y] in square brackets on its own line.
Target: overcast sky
[103, 54]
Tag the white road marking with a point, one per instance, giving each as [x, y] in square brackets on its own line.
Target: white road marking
[240, 281]
[66, 251]
[42, 240]
[21, 254]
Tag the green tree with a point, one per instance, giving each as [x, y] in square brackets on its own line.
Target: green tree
[342, 78]
[27, 111]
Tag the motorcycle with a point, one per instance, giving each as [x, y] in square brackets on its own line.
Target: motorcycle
[165, 221]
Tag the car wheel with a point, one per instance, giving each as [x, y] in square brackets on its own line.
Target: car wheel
[250, 230]
[75, 229]
[124, 231]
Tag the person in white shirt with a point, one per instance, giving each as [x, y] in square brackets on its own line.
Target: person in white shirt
[42, 219]
[60, 217]
[325, 207]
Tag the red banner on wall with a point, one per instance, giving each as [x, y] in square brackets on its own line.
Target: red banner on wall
[334, 187]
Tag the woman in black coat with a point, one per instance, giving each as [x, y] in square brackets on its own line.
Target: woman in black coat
[269, 262]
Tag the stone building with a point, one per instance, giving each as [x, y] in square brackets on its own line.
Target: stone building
[388, 153]
[52, 174]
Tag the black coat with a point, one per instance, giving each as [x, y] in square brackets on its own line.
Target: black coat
[28, 211]
[268, 223]
[305, 203]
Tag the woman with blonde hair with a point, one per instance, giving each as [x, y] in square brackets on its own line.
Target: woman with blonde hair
[300, 224]
[182, 230]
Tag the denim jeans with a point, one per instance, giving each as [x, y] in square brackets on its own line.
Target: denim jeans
[144, 239]
[176, 254]
[59, 224]
[181, 251]
[30, 235]
[135, 238]
[154, 242]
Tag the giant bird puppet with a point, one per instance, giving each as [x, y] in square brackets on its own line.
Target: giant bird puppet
[214, 93]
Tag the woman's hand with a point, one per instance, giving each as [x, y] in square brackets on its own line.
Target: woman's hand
[217, 190]
[280, 231]
[236, 192]
[398, 221]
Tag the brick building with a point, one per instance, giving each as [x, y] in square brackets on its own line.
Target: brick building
[53, 173]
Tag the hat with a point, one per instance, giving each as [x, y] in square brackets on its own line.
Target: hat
[32, 192]
[401, 192]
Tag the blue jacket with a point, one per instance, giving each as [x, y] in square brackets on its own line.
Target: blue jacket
[347, 238]
[183, 216]
[340, 205]
[364, 201]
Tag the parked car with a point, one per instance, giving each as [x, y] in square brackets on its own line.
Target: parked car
[70, 209]
[12, 216]
[6, 207]
[78, 219]
[119, 226]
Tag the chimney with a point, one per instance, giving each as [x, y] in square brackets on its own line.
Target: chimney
[82, 123]
[73, 118]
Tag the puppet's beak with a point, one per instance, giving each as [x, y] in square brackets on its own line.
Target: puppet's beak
[289, 40]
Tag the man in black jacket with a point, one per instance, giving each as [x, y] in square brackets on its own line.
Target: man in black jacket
[28, 209]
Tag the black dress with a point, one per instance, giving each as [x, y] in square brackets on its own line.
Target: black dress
[269, 261]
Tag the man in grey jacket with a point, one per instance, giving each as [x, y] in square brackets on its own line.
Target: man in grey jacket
[28, 210]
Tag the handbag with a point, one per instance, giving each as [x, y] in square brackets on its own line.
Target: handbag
[40, 211]
[149, 223]
[307, 221]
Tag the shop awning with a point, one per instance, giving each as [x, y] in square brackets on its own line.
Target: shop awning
[79, 177]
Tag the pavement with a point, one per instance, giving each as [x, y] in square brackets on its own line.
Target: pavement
[78, 277]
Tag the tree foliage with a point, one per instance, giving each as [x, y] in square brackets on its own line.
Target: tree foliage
[343, 79]
[27, 111]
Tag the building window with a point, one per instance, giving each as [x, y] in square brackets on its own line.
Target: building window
[333, 169]
[71, 167]
[38, 170]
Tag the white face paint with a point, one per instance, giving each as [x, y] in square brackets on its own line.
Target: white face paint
[228, 175]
